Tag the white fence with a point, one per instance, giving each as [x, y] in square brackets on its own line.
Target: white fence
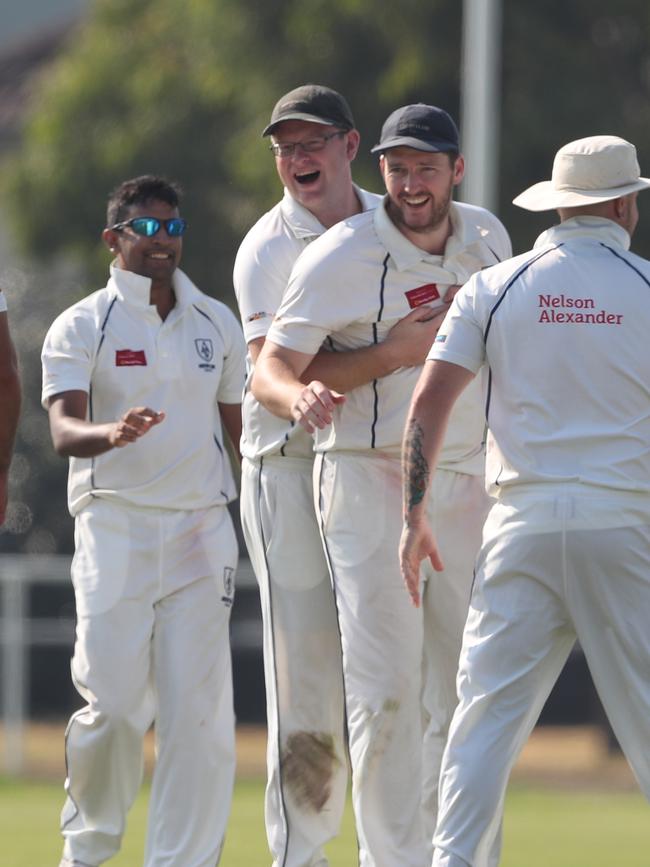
[20, 631]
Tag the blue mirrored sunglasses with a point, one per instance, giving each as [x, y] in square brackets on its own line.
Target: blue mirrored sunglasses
[149, 226]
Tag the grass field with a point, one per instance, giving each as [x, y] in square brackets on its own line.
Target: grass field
[543, 829]
[567, 807]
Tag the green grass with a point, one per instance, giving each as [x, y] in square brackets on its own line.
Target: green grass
[543, 828]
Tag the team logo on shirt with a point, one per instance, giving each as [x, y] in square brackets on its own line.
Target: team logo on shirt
[205, 351]
[228, 585]
[422, 295]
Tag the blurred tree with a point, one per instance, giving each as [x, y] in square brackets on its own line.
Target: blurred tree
[185, 89]
[570, 70]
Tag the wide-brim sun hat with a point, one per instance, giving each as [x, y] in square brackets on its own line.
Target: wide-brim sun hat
[590, 170]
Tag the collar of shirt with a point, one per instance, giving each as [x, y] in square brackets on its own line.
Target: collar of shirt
[304, 224]
[465, 251]
[597, 228]
[135, 289]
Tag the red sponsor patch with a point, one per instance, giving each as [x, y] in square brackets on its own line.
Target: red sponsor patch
[422, 295]
[130, 358]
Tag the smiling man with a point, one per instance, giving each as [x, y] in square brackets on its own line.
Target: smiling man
[348, 289]
[314, 142]
[140, 379]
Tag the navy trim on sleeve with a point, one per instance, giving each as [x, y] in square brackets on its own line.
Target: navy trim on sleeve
[511, 283]
[628, 263]
[506, 289]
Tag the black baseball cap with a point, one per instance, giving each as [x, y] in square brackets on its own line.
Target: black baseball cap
[315, 103]
[419, 126]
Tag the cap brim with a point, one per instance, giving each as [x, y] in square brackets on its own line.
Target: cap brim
[544, 197]
[417, 144]
[311, 118]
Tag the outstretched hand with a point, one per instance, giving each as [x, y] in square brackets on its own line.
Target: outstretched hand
[135, 422]
[416, 544]
[314, 406]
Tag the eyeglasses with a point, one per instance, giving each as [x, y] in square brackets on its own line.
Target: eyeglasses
[150, 226]
[312, 145]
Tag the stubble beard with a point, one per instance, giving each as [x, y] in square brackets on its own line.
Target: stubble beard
[439, 214]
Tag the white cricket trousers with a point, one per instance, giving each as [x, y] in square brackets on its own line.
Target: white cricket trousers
[153, 591]
[358, 497]
[554, 565]
[306, 749]
[456, 510]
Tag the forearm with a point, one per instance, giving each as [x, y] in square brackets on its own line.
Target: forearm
[74, 437]
[421, 445]
[276, 385]
[343, 371]
[438, 388]
[422, 441]
[407, 344]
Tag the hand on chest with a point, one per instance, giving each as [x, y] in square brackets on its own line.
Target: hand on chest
[393, 305]
[415, 294]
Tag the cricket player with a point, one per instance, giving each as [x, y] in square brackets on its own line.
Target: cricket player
[10, 401]
[314, 141]
[562, 331]
[347, 290]
[140, 380]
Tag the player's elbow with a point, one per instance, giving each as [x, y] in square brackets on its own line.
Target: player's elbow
[262, 385]
[270, 391]
[62, 439]
[258, 383]
[61, 446]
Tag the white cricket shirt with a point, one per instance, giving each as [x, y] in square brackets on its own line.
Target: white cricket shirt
[262, 269]
[114, 346]
[352, 285]
[564, 330]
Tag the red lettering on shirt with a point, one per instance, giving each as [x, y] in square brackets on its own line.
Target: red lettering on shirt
[422, 295]
[130, 358]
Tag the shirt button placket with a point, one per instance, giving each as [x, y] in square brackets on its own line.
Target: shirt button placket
[165, 355]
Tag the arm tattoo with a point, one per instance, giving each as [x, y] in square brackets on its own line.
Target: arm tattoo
[416, 469]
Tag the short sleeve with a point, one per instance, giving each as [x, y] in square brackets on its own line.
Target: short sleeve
[460, 337]
[315, 304]
[260, 276]
[68, 354]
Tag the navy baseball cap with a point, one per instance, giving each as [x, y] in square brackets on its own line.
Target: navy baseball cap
[314, 103]
[419, 126]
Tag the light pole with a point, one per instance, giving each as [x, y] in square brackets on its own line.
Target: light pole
[480, 101]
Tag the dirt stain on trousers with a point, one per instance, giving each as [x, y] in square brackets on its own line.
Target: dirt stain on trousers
[308, 761]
